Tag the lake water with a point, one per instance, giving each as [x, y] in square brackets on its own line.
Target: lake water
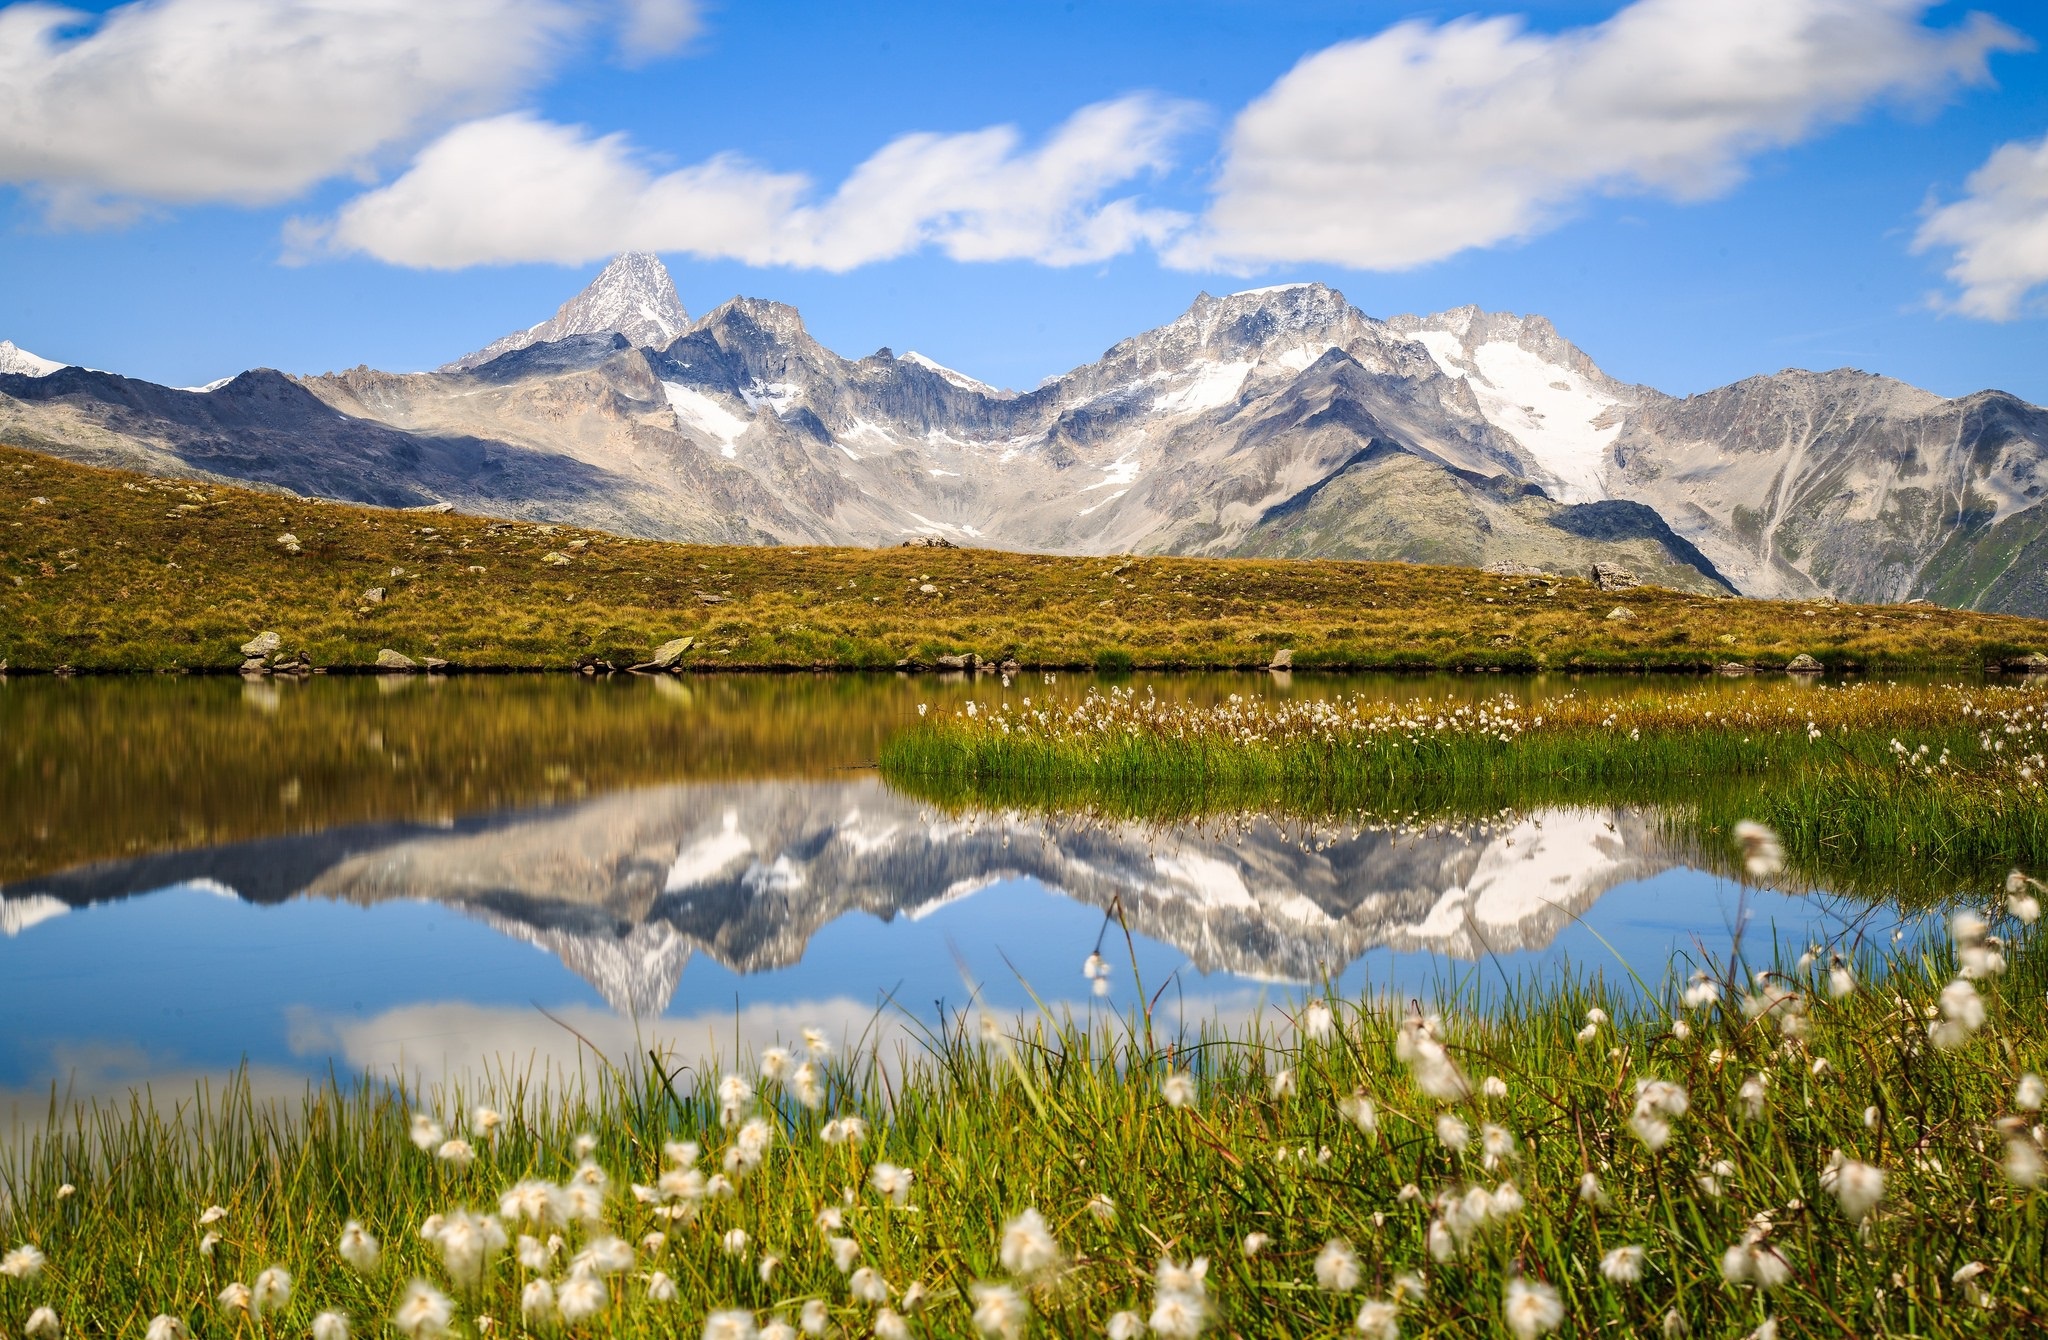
[431, 877]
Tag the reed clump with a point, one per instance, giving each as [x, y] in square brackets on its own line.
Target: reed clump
[1933, 782]
[1848, 1143]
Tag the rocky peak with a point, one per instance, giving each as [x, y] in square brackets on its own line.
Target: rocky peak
[19, 362]
[633, 296]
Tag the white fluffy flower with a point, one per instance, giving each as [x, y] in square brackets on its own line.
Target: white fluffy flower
[359, 1249]
[1531, 1308]
[165, 1327]
[1379, 1319]
[730, 1324]
[1452, 1132]
[1337, 1267]
[892, 1181]
[1178, 1089]
[867, 1285]
[1317, 1022]
[23, 1263]
[581, 1297]
[271, 1291]
[999, 1311]
[1359, 1111]
[1027, 1247]
[537, 1303]
[2030, 1094]
[330, 1326]
[42, 1324]
[1858, 1187]
[423, 1313]
[1124, 1326]
[1623, 1265]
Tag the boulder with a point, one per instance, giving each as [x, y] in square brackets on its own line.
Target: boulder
[709, 599]
[1509, 568]
[253, 666]
[1802, 664]
[1613, 577]
[1731, 669]
[927, 589]
[395, 662]
[434, 663]
[289, 543]
[928, 542]
[970, 661]
[1009, 666]
[1283, 659]
[2032, 664]
[374, 596]
[1620, 612]
[670, 654]
[433, 507]
[555, 559]
[263, 644]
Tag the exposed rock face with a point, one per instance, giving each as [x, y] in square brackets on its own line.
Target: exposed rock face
[1276, 422]
[633, 296]
[627, 888]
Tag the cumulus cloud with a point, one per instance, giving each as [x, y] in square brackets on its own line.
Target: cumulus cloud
[1428, 139]
[1999, 232]
[652, 28]
[252, 101]
[518, 188]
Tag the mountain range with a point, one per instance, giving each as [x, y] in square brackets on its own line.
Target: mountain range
[1279, 421]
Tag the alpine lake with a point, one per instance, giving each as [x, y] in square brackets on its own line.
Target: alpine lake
[422, 877]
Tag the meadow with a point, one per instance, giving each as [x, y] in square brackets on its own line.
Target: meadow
[1843, 1144]
[109, 571]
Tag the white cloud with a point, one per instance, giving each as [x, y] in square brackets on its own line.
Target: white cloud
[252, 101]
[654, 28]
[1999, 232]
[1425, 140]
[517, 188]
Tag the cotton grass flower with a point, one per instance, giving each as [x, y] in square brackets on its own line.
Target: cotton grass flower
[537, 1303]
[999, 1311]
[485, 1121]
[330, 1326]
[1751, 1262]
[271, 1291]
[735, 1096]
[866, 1285]
[730, 1324]
[359, 1249]
[1762, 856]
[580, 1298]
[1027, 1248]
[1451, 1132]
[661, 1288]
[1379, 1320]
[814, 1317]
[1336, 1267]
[1962, 1013]
[1494, 1087]
[234, 1298]
[1317, 1022]
[2030, 1094]
[1531, 1308]
[212, 1214]
[467, 1243]
[42, 1324]
[165, 1327]
[1124, 1326]
[1253, 1244]
[607, 1255]
[845, 1251]
[1101, 1208]
[1359, 1110]
[533, 1201]
[1180, 1302]
[734, 1242]
[1178, 1088]
[890, 1326]
[1856, 1186]
[426, 1133]
[24, 1262]
[1282, 1084]
[457, 1153]
[892, 1181]
[1417, 1047]
[775, 1065]
[816, 1044]
[1623, 1265]
[423, 1313]
[1752, 1096]
[1658, 1103]
[584, 1145]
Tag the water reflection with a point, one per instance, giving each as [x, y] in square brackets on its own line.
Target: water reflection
[338, 876]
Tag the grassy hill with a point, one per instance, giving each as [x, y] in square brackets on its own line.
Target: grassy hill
[107, 570]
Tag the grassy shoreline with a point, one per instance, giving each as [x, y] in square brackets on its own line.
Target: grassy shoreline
[108, 571]
[1737, 1192]
[1926, 785]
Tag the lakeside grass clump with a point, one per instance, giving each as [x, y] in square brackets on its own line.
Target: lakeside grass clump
[1907, 784]
[115, 571]
[1845, 1145]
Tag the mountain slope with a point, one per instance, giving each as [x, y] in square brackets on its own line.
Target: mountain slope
[19, 362]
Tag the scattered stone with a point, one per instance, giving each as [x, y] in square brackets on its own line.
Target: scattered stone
[1732, 669]
[434, 663]
[1613, 577]
[1802, 664]
[262, 645]
[1919, 600]
[669, 654]
[1508, 568]
[2033, 664]
[1283, 659]
[374, 596]
[577, 544]
[1727, 639]
[1009, 666]
[395, 662]
[254, 666]
[971, 661]
[928, 542]
[289, 543]
[555, 559]
[709, 599]
[1620, 612]
[927, 589]
[433, 507]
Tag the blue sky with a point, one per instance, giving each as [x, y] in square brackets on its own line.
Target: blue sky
[179, 207]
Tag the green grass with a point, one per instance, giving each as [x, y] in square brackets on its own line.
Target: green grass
[1057, 1114]
[1817, 763]
[105, 570]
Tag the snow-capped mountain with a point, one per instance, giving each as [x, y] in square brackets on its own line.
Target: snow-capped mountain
[19, 362]
[633, 296]
[1280, 421]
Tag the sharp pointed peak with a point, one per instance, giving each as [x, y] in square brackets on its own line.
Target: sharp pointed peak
[633, 295]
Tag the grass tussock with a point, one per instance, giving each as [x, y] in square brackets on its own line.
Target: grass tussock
[1909, 784]
[1848, 1146]
[106, 570]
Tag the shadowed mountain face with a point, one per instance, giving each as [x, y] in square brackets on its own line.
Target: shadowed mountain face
[626, 889]
[1279, 421]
